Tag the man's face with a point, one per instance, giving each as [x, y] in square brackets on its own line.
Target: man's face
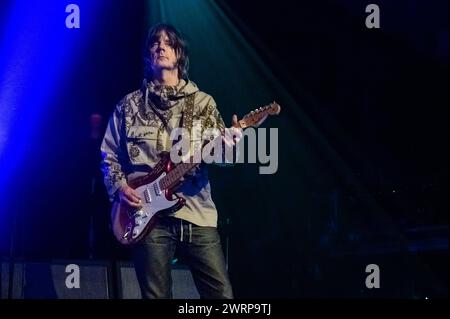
[162, 54]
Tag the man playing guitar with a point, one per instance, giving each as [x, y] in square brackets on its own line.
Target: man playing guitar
[138, 132]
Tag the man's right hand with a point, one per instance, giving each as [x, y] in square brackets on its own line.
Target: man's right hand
[129, 196]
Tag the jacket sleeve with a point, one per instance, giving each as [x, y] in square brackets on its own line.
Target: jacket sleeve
[112, 153]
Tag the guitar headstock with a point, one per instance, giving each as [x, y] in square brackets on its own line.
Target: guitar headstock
[257, 117]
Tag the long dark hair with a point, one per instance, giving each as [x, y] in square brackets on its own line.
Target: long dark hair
[177, 41]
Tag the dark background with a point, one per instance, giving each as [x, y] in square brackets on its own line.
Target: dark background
[364, 180]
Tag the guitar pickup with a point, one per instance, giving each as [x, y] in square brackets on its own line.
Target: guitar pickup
[148, 197]
[157, 189]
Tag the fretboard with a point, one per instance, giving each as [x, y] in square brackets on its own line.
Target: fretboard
[173, 177]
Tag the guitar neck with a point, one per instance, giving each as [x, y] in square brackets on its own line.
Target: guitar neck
[174, 176]
[252, 119]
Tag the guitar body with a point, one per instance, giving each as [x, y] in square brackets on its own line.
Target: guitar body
[129, 224]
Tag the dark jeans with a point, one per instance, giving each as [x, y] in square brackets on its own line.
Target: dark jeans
[198, 246]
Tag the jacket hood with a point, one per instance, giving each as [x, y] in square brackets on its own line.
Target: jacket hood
[166, 96]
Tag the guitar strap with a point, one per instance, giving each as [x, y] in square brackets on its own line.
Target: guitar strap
[188, 113]
[187, 118]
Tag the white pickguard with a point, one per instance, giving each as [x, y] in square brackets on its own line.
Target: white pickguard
[154, 200]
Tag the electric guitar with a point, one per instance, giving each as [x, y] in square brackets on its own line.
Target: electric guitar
[156, 189]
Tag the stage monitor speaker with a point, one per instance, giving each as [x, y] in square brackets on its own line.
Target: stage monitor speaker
[4, 279]
[183, 286]
[61, 280]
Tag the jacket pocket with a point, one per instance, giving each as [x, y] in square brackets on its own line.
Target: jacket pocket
[141, 144]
